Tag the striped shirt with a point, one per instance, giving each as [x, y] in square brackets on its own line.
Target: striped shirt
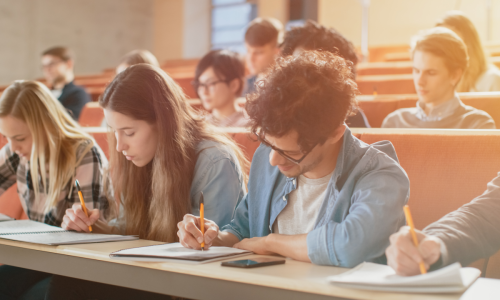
[89, 173]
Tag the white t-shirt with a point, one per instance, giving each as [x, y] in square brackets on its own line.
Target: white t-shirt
[489, 81]
[299, 215]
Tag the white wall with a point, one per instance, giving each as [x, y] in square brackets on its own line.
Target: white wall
[197, 18]
[99, 32]
[395, 21]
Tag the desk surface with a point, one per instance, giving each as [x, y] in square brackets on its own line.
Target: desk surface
[294, 280]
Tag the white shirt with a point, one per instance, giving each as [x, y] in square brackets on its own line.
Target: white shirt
[300, 214]
[489, 81]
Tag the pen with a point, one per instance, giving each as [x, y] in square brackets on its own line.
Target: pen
[82, 202]
[409, 220]
[202, 221]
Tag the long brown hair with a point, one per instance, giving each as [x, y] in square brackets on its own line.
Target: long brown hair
[157, 196]
[459, 23]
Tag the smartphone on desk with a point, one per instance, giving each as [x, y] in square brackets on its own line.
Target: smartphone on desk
[253, 263]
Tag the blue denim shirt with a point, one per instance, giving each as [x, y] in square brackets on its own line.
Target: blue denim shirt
[363, 204]
[218, 175]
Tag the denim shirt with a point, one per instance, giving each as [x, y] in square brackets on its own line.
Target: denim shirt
[218, 174]
[363, 204]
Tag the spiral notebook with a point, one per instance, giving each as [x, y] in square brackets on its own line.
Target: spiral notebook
[370, 276]
[40, 233]
[175, 252]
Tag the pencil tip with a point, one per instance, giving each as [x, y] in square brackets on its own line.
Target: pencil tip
[202, 248]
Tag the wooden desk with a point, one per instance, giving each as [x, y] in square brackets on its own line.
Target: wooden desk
[293, 280]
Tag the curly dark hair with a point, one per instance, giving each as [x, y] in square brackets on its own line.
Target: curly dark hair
[311, 93]
[313, 36]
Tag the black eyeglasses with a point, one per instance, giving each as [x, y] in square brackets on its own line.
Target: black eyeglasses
[281, 152]
[206, 86]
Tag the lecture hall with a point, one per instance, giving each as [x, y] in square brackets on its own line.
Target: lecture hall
[249, 149]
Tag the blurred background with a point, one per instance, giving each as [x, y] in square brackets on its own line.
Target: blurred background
[100, 32]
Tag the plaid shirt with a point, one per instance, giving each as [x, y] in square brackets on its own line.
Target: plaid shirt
[89, 173]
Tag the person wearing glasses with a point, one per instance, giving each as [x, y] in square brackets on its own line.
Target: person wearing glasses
[57, 67]
[218, 82]
[316, 193]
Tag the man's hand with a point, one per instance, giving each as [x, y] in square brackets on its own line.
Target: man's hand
[190, 235]
[404, 257]
[257, 245]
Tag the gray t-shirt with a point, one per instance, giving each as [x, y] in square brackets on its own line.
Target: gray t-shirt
[452, 114]
[301, 212]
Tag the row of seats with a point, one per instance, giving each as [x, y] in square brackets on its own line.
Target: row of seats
[376, 108]
[436, 189]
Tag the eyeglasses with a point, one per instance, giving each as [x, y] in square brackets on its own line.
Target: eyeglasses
[206, 86]
[281, 152]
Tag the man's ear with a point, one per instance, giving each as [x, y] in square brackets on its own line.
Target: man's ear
[456, 76]
[234, 86]
[70, 63]
[337, 134]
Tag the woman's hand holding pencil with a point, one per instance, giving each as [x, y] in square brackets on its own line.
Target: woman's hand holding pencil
[76, 219]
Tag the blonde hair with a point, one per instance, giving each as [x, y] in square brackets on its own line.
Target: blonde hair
[139, 57]
[444, 43]
[56, 136]
[156, 197]
[478, 64]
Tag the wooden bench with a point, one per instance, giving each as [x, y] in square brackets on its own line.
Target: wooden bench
[386, 84]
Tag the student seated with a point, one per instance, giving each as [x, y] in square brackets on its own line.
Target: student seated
[44, 139]
[470, 233]
[218, 81]
[262, 40]
[57, 66]
[480, 76]
[316, 193]
[439, 60]
[165, 157]
[137, 57]
[313, 36]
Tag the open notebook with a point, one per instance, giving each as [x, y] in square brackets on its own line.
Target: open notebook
[370, 276]
[175, 252]
[40, 233]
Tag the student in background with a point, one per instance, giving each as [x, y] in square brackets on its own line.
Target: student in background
[262, 40]
[165, 157]
[218, 81]
[470, 233]
[57, 65]
[137, 57]
[313, 36]
[47, 147]
[439, 61]
[480, 76]
[316, 193]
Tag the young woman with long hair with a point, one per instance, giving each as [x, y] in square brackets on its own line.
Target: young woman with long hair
[46, 151]
[480, 76]
[165, 157]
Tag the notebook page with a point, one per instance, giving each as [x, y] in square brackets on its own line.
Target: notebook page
[26, 226]
[382, 275]
[68, 238]
[5, 218]
[177, 251]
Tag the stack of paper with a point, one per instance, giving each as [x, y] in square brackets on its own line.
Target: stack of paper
[370, 276]
[175, 252]
[40, 233]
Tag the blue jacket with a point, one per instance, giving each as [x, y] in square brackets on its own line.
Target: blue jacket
[363, 205]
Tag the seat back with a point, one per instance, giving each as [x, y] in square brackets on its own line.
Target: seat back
[447, 169]
[92, 115]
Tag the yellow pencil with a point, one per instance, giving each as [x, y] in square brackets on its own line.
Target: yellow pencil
[202, 220]
[409, 220]
[82, 202]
